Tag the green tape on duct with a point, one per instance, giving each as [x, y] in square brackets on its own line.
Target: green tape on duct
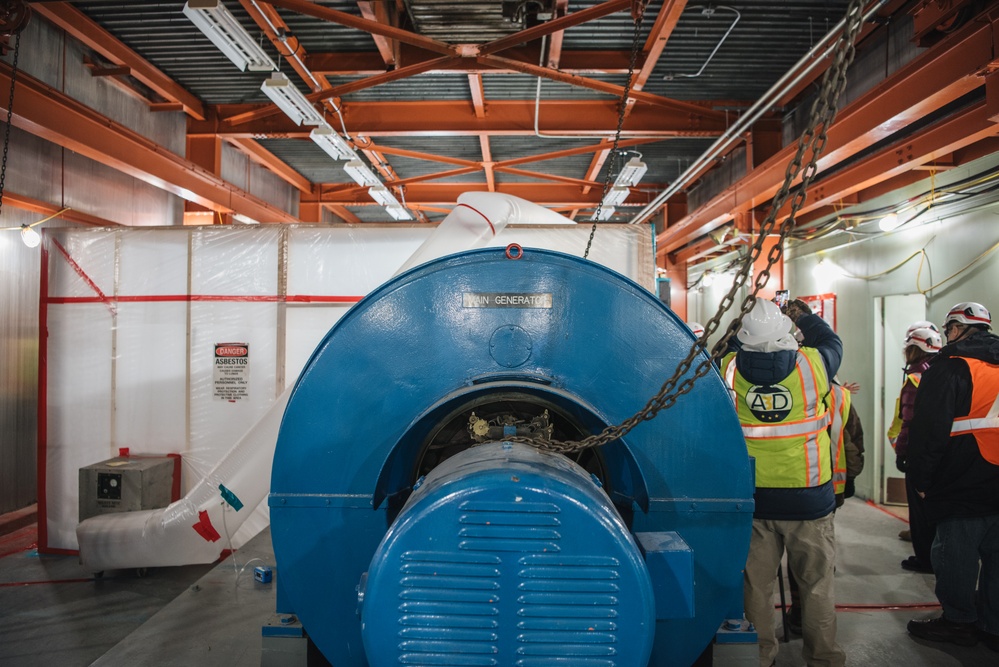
[230, 498]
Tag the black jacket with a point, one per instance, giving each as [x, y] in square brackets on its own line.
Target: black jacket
[772, 367]
[957, 480]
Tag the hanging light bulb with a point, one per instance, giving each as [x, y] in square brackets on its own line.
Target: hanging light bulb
[889, 222]
[30, 237]
[708, 279]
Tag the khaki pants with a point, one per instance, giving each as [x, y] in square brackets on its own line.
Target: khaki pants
[811, 554]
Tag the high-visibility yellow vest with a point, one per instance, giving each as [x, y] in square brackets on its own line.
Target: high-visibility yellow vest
[786, 424]
[896, 422]
[983, 419]
[840, 410]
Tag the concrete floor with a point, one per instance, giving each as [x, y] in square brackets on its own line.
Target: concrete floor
[52, 612]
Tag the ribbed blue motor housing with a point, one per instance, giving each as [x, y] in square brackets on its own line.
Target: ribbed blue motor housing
[423, 380]
[507, 555]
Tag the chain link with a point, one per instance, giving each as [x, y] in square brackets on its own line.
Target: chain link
[812, 140]
[10, 115]
[622, 112]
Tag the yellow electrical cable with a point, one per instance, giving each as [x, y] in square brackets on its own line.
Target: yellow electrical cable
[955, 274]
[887, 271]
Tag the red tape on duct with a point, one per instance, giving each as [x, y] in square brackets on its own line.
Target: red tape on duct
[205, 528]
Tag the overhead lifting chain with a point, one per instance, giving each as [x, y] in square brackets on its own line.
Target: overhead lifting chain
[10, 115]
[812, 141]
[638, 16]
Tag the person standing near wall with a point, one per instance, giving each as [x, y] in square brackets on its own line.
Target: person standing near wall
[953, 459]
[921, 344]
[779, 392]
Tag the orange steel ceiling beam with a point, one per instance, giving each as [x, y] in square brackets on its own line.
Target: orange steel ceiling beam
[666, 20]
[454, 118]
[376, 11]
[368, 63]
[554, 25]
[547, 194]
[374, 27]
[27, 203]
[695, 110]
[545, 177]
[79, 26]
[940, 139]
[940, 75]
[53, 116]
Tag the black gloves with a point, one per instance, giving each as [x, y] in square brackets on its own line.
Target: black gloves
[900, 463]
[850, 488]
[796, 309]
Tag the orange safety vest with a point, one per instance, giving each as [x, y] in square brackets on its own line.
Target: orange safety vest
[983, 419]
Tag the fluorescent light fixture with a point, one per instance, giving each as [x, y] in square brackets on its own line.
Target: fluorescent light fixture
[631, 174]
[212, 18]
[290, 100]
[889, 222]
[605, 213]
[331, 142]
[382, 195]
[616, 195]
[30, 237]
[358, 171]
[398, 212]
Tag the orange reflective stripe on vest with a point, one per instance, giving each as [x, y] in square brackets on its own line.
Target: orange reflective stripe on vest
[983, 419]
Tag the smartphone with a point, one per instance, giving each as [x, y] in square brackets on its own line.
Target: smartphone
[781, 298]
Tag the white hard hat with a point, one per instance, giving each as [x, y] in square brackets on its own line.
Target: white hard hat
[925, 339]
[968, 312]
[921, 324]
[696, 328]
[763, 323]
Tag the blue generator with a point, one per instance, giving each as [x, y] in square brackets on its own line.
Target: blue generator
[408, 531]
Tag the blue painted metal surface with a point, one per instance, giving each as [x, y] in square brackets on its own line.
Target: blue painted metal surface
[420, 349]
[507, 555]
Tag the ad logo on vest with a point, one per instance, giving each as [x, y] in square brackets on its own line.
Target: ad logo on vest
[769, 403]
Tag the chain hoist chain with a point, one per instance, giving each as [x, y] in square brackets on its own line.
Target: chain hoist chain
[622, 112]
[10, 115]
[813, 139]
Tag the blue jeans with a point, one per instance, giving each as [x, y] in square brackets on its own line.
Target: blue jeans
[957, 549]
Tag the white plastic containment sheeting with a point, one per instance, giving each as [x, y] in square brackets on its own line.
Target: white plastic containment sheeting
[134, 319]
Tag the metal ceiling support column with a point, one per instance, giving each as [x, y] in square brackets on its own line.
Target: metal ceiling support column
[666, 20]
[266, 159]
[940, 75]
[53, 116]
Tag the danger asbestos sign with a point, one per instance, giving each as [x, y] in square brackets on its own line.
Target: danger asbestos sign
[231, 372]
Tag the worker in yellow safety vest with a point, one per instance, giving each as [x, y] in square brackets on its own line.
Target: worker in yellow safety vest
[780, 393]
[953, 460]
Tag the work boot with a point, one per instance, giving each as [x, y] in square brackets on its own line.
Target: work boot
[905, 535]
[913, 564]
[941, 630]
